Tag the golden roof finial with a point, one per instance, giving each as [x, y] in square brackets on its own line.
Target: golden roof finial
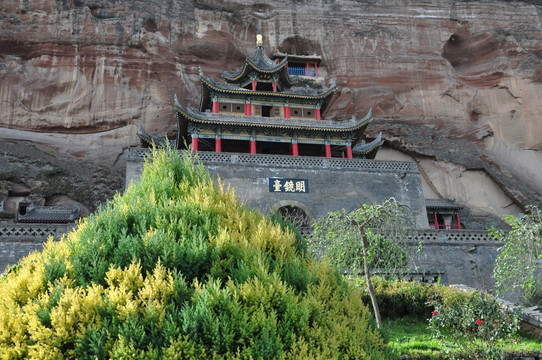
[259, 40]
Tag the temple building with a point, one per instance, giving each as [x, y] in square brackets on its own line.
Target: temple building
[262, 108]
[263, 129]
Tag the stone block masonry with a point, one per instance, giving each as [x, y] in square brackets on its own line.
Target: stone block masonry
[332, 183]
[462, 256]
[19, 240]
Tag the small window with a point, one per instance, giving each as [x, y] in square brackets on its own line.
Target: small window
[22, 208]
[309, 113]
[224, 107]
[238, 108]
[296, 112]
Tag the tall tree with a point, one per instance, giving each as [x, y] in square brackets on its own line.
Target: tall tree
[518, 267]
[373, 238]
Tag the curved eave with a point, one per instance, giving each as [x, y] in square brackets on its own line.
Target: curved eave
[238, 75]
[364, 149]
[273, 70]
[249, 66]
[145, 139]
[267, 122]
[284, 77]
[205, 98]
[210, 86]
[148, 140]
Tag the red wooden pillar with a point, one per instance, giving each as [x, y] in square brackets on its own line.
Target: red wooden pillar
[248, 110]
[295, 148]
[436, 220]
[349, 152]
[287, 111]
[194, 142]
[328, 150]
[215, 106]
[274, 86]
[253, 85]
[308, 70]
[458, 222]
[318, 117]
[253, 146]
[218, 144]
[316, 69]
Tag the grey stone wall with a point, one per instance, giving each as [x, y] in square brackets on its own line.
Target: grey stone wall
[462, 256]
[13, 251]
[19, 240]
[333, 183]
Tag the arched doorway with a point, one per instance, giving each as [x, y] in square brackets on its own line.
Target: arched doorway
[296, 213]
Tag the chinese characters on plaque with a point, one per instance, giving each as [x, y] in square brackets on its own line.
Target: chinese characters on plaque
[288, 185]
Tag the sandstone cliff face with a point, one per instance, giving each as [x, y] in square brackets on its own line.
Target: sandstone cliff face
[455, 85]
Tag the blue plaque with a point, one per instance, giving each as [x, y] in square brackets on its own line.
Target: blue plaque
[288, 185]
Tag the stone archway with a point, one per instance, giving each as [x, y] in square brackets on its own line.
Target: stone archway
[296, 212]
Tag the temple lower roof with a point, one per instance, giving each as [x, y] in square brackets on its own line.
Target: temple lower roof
[275, 122]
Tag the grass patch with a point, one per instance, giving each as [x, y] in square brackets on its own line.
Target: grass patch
[410, 336]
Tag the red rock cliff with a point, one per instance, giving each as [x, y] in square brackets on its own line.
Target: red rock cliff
[455, 85]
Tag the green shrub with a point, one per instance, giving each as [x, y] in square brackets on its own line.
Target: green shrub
[398, 298]
[474, 320]
[175, 268]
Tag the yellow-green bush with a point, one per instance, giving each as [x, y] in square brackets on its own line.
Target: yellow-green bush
[175, 268]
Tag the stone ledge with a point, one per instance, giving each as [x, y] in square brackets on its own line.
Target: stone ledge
[447, 237]
[205, 157]
[32, 232]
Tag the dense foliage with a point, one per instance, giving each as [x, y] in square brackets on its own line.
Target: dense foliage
[475, 321]
[398, 298]
[371, 238]
[467, 324]
[386, 227]
[518, 267]
[176, 268]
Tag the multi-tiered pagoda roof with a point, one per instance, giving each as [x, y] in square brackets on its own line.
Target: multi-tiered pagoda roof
[262, 108]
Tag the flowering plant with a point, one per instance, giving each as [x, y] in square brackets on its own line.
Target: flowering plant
[473, 320]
